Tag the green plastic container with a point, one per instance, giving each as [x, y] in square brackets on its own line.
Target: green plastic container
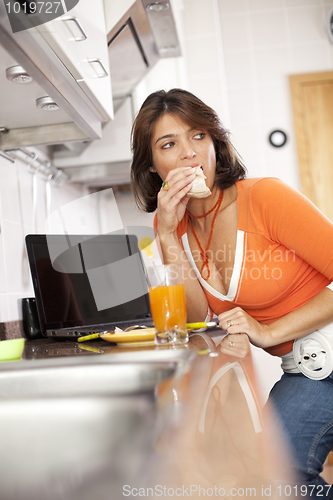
[11, 349]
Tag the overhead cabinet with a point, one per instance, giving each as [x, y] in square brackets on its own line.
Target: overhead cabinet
[78, 38]
[68, 58]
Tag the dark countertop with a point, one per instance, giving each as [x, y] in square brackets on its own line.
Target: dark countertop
[51, 348]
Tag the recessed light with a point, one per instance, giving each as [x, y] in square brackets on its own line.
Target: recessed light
[46, 104]
[157, 6]
[17, 74]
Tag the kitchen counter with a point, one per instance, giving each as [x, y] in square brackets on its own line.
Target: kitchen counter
[200, 432]
[50, 348]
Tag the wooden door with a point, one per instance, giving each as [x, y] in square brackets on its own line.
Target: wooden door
[312, 99]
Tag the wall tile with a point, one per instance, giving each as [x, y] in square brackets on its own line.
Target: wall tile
[3, 280]
[305, 3]
[17, 220]
[274, 104]
[202, 56]
[328, 6]
[307, 25]
[316, 56]
[10, 201]
[15, 305]
[235, 31]
[165, 74]
[56, 196]
[236, 6]
[268, 28]
[247, 142]
[266, 4]
[271, 64]
[209, 89]
[242, 106]
[16, 261]
[198, 19]
[239, 68]
[289, 38]
[279, 162]
[25, 194]
[29, 187]
[41, 206]
[4, 308]
[330, 53]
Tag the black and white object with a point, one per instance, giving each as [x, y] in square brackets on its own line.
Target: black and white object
[313, 353]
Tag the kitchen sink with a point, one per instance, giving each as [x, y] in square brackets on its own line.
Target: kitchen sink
[111, 374]
[55, 448]
[84, 380]
[79, 428]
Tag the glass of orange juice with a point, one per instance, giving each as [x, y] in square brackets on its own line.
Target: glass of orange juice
[167, 303]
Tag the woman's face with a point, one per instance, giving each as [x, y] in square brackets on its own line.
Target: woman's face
[175, 144]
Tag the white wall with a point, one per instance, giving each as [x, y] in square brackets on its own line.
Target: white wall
[24, 208]
[238, 56]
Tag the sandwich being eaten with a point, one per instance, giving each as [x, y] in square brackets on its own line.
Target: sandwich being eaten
[199, 188]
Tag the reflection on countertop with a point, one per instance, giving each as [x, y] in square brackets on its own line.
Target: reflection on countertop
[51, 348]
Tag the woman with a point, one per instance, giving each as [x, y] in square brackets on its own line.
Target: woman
[255, 252]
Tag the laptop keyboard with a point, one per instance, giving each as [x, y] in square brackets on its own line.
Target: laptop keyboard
[111, 326]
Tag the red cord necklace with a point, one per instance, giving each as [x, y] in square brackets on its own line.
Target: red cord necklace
[203, 253]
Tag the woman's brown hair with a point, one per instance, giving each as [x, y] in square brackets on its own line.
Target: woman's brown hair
[190, 109]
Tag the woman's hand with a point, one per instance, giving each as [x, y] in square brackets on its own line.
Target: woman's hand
[236, 345]
[171, 204]
[238, 321]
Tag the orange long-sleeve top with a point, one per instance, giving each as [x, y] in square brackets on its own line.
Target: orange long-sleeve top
[284, 253]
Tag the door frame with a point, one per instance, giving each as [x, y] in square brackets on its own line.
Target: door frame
[297, 82]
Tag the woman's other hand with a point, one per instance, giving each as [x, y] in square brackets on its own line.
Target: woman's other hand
[171, 203]
[237, 321]
[236, 345]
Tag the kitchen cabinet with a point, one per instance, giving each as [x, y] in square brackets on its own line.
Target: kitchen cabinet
[78, 38]
[73, 77]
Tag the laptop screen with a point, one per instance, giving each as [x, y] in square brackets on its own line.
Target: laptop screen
[87, 280]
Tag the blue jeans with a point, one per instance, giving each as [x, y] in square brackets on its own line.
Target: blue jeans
[305, 409]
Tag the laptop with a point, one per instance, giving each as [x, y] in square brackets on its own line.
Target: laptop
[88, 284]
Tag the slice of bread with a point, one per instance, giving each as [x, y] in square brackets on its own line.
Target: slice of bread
[199, 188]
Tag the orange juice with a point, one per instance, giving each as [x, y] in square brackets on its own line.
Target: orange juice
[168, 307]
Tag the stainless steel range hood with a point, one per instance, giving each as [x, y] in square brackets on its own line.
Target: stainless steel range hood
[146, 33]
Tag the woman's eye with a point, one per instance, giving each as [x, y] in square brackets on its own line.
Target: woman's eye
[200, 136]
[168, 145]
